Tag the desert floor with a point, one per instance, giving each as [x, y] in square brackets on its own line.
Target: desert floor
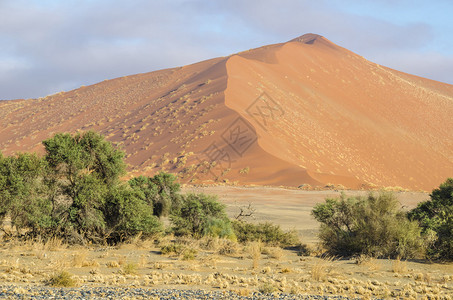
[221, 265]
[289, 208]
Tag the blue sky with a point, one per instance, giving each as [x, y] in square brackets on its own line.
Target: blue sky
[48, 46]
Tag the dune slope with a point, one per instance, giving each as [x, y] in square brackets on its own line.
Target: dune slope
[302, 112]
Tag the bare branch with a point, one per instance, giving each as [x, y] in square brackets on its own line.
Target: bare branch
[245, 212]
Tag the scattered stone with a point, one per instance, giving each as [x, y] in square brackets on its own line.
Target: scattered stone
[98, 293]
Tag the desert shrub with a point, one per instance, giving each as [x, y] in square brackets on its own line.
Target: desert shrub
[267, 288]
[268, 233]
[83, 168]
[185, 252]
[200, 215]
[436, 218]
[74, 192]
[172, 248]
[129, 269]
[128, 214]
[160, 191]
[23, 194]
[228, 247]
[219, 227]
[62, 279]
[189, 254]
[372, 225]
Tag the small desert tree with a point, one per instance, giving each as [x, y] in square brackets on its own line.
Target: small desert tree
[161, 192]
[436, 218]
[75, 192]
[372, 225]
[23, 195]
[128, 213]
[200, 215]
[83, 169]
[268, 233]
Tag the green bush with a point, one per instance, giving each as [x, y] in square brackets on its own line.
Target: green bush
[219, 227]
[436, 218]
[372, 225]
[75, 192]
[200, 215]
[267, 233]
[23, 194]
[83, 169]
[161, 192]
[128, 213]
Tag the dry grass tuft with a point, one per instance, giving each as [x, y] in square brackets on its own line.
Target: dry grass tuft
[367, 261]
[244, 292]
[286, 270]
[267, 288]
[399, 267]
[209, 243]
[113, 264]
[254, 250]
[129, 269]
[189, 254]
[228, 247]
[273, 252]
[79, 258]
[62, 279]
[52, 244]
[91, 263]
[321, 269]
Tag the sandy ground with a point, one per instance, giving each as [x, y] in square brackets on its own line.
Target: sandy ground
[290, 208]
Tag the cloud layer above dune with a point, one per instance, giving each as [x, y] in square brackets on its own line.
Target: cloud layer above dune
[49, 46]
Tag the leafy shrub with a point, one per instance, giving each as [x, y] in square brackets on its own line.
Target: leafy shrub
[23, 194]
[268, 233]
[83, 168]
[161, 192]
[128, 214]
[216, 227]
[436, 218]
[200, 215]
[75, 192]
[372, 225]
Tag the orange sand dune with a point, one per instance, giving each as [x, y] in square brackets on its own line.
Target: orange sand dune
[302, 112]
